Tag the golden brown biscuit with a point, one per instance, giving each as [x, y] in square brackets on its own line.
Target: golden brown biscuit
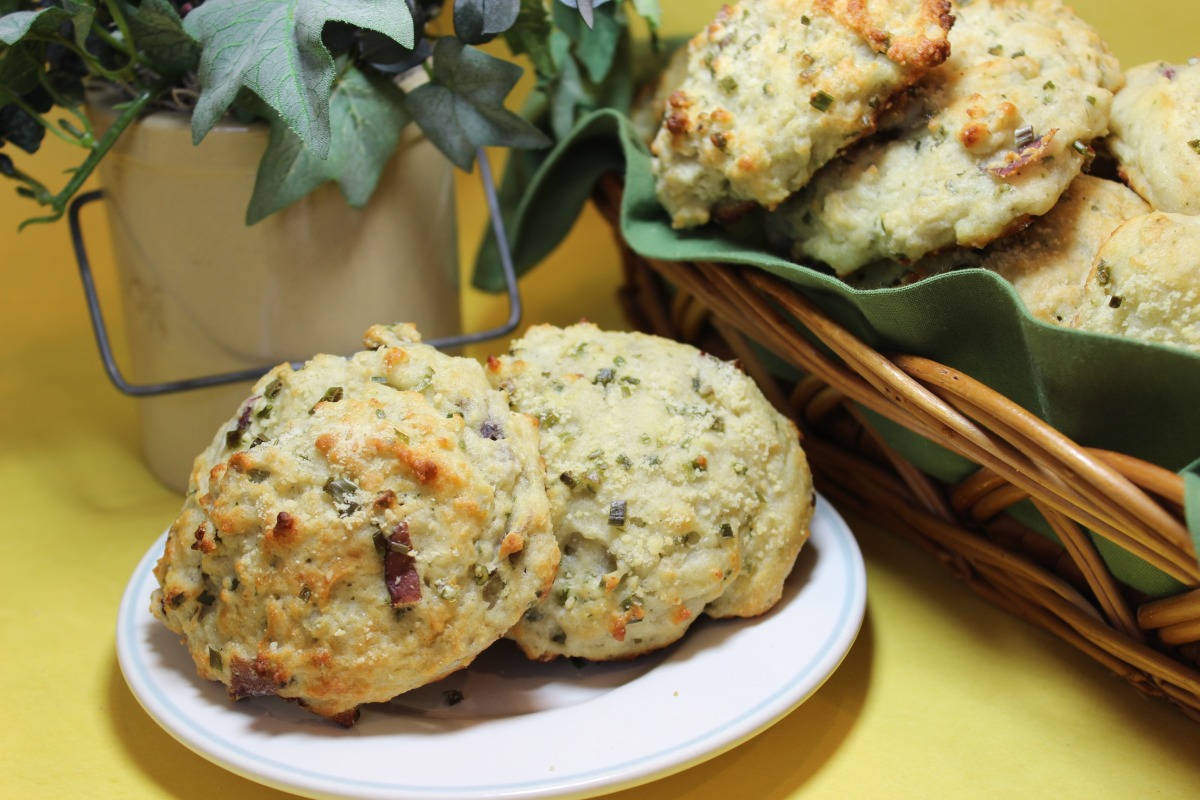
[675, 488]
[776, 88]
[1145, 282]
[1156, 134]
[363, 526]
[1048, 262]
[988, 140]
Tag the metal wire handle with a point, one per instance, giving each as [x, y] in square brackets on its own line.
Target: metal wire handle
[100, 330]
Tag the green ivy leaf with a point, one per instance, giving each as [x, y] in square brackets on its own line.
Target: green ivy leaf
[367, 116]
[462, 107]
[159, 32]
[477, 21]
[19, 69]
[596, 44]
[16, 26]
[82, 14]
[530, 35]
[274, 49]
[651, 10]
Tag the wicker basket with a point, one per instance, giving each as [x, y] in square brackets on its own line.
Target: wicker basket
[1066, 589]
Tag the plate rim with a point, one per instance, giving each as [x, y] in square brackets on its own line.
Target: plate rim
[608, 777]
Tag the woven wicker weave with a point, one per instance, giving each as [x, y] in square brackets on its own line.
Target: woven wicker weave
[1066, 589]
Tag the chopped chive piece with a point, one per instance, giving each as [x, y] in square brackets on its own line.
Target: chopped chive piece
[233, 438]
[1018, 54]
[1048, 85]
[1195, 145]
[726, 530]
[1091, 98]
[214, 659]
[206, 598]
[630, 380]
[549, 419]
[272, 389]
[401, 436]
[604, 377]
[568, 479]
[379, 378]
[342, 490]
[616, 514]
[619, 361]
[624, 461]
[332, 395]
[259, 439]
[481, 575]
[257, 475]
[995, 49]
[426, 379]
[1023, 136]
[380, 413]
[805, 19]
[728, 84]
[264, 412]
[821, 101]
[305, 593]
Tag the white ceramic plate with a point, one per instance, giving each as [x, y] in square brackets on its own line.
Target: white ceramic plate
[522, 730]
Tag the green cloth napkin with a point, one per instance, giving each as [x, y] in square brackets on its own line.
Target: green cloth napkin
[1102, 391]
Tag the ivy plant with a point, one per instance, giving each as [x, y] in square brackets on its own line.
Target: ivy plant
[337, 81]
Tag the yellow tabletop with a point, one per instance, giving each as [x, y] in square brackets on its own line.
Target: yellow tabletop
[941, 695]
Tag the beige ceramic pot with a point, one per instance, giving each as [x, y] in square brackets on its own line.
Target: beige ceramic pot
[203, 293]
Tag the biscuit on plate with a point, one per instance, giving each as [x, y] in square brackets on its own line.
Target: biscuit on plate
[987, 141]
[675, 489]
[1156, 134]
[775, 88]
[361, 527]
[1145, 282]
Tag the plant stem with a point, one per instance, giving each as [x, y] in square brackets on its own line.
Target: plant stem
[130, 112]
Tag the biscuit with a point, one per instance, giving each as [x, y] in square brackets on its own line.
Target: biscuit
[363, 526]
[987, 141]
[775, 88]
[675, 488]
[1145, 282]
[1048, 262]
[1156, 134]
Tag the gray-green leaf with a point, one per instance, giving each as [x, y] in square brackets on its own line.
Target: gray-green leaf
[367, 116]
[462, 107]
[476, 21]
[159, 32]
[16, 26]
[274, 49]
[531, 36]
[596, 44]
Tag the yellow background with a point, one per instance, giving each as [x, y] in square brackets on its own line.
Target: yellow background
[941, 696]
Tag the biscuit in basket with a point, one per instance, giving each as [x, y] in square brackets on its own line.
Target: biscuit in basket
[775, 88]
[1145, 282]
[988, 140]
[1048, 262]
[363, 526]
[1156, 134]
[675, 488]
